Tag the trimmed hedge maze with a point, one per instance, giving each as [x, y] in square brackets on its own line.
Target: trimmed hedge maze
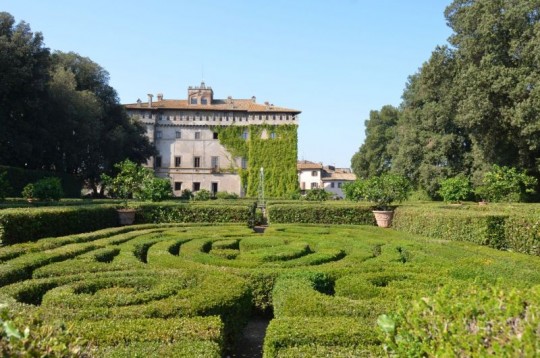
[175, 290]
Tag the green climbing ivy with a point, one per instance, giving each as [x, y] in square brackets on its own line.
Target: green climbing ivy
[276, 153]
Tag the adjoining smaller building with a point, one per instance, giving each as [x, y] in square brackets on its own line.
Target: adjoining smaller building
[313, 175]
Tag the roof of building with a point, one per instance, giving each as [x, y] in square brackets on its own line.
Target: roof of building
[338, 176]
[246, 105]
[307, 165]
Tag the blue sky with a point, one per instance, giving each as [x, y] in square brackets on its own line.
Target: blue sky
[333, 60]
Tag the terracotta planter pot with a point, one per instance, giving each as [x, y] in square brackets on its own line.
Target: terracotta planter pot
[383, 218]
[126, 216]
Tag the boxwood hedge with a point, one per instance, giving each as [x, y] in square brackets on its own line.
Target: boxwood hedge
[20, 225]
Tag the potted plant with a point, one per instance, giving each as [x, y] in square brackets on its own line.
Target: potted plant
[382, 191]
[124, 186]
[135, 182]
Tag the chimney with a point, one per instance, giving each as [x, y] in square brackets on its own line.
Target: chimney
[139, 102]
[254, 99]
[160, 97]
[150, 100]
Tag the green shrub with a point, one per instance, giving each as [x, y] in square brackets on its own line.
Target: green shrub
[320, 214]
[28, 191]
[186, 194]
[19, 177]
[380, 190]
[202, 195]
[456, 189]
[155, 189]
[184, 213]
[317, 195]
[49, 188]
[471, 321]
[476, 227]
[21, 225]
[339, 333]
[22, 336]
[226, 195]
[506, 184]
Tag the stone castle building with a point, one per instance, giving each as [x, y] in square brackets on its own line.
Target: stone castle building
[186, 133]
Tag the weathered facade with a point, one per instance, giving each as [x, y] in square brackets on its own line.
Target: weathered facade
[187, 134]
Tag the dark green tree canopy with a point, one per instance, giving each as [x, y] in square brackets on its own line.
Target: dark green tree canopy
[475, 102]
[58, 111]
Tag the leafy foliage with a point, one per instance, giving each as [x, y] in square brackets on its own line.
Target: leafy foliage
[202, 195]
[373, 158]
[381, 191]
[38, 339]
[317, 194]
[506, 184]
[488, 322]
[277, 154]
[155, 189]
[58, 111]
[48, 189]
[473, 103]
[455, 189]
[134, 181]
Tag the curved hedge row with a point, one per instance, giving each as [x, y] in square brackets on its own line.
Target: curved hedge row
[194, 287]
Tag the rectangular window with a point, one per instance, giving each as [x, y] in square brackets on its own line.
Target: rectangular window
[178, 134]
[193, 100]
[314, 173]
[177, 185]
[158, 162]
[339, 184]
[158, 134]
[215, 135]
[314, 185]
[214, 188]
[196, 162]
[196, 186]
[204, 101]
[244, 163]
[245, 135]
[177, 161]
[331, 184]
[215, 162]
[197, 135]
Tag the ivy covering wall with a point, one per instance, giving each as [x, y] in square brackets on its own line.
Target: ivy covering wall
[276, 153]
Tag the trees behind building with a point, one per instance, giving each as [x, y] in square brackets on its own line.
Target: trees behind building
[58, 111]
[473, 104]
